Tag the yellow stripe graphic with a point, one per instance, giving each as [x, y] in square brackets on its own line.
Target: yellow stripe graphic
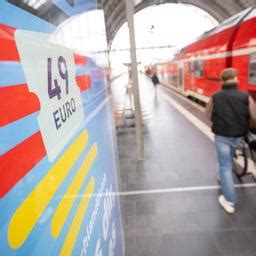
[77, 221]
[26, 216]
[68, 200]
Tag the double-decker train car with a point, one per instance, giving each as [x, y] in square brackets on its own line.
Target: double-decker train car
[195, 70]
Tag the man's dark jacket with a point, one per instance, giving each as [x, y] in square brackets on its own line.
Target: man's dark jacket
[230, 114]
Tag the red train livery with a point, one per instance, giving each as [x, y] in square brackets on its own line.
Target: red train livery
[195, 70]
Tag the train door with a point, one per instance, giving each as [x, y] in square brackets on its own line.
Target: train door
[181, 78]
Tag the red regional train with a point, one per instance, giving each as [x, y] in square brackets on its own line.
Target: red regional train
[195, 70]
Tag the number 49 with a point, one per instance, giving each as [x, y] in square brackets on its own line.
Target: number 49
[55, 89]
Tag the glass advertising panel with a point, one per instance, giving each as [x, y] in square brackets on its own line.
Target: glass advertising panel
[58, 166]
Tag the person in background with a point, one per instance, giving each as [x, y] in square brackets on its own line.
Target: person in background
[230, 111]
[154, 78]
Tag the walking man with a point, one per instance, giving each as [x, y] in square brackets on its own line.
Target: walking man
[230, 111]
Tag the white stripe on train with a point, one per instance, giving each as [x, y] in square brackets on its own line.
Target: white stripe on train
[241, 52]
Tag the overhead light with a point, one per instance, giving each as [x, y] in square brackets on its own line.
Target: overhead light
[35, 4]
[137, 2]
[31, 2]
[39, 4]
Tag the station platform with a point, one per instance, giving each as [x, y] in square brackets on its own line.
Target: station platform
[169, 200]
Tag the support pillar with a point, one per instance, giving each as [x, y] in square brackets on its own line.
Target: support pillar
[135, 86]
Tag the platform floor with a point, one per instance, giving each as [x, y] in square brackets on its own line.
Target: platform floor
[169, 200]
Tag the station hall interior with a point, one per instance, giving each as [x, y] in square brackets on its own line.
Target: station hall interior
[105, 145]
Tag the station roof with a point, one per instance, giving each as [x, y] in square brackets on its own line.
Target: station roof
[115, 12]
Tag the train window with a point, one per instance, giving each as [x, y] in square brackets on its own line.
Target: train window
[252, 69]
[199, 68]
[191, 67]
[173, 79]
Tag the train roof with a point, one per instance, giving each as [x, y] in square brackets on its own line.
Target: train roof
[226, 24]
[232, 21]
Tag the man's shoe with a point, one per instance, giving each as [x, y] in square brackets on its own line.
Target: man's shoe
[227, 206]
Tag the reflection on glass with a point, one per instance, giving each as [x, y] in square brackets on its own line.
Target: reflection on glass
[85, 34]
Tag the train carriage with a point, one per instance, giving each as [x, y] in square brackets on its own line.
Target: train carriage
[195, 70]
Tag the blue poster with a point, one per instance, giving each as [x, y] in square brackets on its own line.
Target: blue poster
[58, 162]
